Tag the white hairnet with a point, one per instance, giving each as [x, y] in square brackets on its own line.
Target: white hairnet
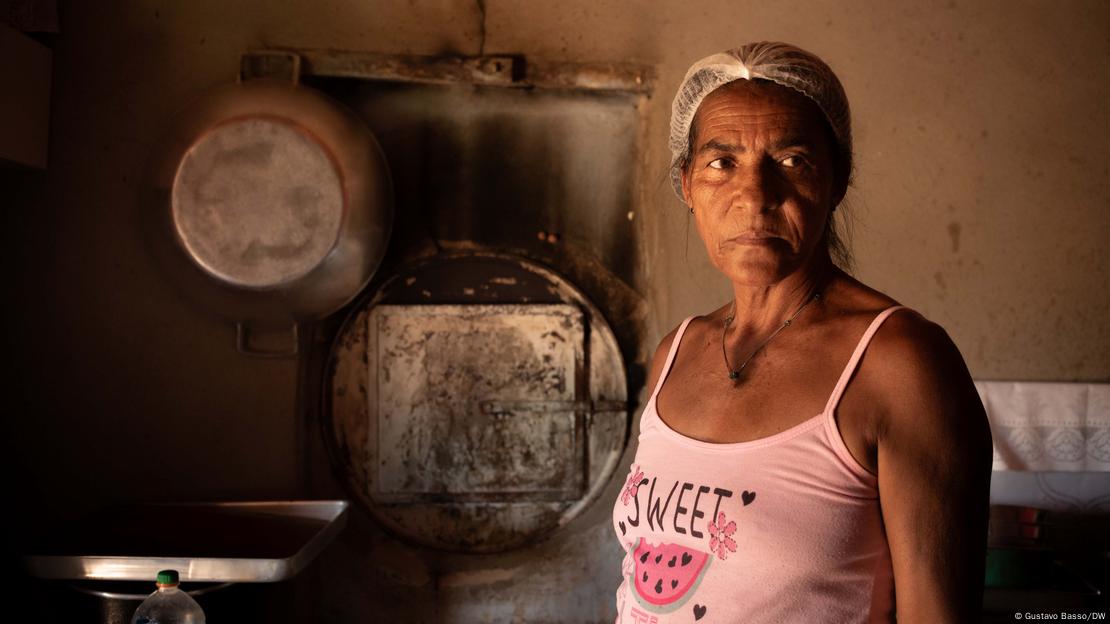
[781, 63]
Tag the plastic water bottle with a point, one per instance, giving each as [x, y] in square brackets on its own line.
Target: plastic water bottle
[168, 605]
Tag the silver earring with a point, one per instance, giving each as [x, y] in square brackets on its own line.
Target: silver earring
[691, 210]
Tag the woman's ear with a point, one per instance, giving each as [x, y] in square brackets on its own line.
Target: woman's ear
[685, 178]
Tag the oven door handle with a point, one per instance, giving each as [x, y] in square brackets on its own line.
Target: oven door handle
[515, 407]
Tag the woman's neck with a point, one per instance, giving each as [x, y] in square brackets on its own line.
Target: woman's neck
[763, 308]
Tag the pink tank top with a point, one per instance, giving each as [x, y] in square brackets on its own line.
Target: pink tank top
[786, 528]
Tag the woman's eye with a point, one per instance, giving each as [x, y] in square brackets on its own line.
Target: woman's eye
[793, 161]
[720, 163]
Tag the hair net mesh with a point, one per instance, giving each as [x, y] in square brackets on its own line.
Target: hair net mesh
[780, 63]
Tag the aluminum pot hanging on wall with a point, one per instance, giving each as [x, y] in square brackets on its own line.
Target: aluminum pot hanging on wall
[271, 204]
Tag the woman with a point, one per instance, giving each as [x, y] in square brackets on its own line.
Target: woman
[741, 505]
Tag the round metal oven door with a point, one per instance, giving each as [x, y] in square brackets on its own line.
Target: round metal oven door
[477, 403]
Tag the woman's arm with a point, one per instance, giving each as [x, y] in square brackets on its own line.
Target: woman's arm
[934, 469]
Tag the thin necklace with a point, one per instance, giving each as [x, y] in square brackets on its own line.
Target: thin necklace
[735, 374]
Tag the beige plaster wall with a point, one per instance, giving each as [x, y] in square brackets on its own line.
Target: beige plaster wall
[982, 199]
[978, 199]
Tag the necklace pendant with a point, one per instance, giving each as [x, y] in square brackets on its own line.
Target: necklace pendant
[735, 374]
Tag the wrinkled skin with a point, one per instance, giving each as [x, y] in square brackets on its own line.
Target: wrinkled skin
[761, 181]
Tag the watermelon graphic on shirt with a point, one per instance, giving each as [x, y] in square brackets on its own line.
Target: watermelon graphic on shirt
[666, 575]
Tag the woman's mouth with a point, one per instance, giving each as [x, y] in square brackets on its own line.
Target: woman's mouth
[752, 238]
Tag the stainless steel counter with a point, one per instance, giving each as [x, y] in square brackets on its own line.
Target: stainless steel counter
[259, 542]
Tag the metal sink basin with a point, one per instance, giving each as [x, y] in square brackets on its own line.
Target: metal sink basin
[253, 542]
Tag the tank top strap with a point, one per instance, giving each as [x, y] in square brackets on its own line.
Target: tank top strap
[670, 357]
[853, 362]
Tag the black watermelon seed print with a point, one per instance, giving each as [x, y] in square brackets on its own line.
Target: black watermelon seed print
[699, 611]
[747, 497]
[623, 529]
[643, 558]
[660, 586]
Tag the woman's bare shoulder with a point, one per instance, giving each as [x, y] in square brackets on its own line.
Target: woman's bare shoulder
[912, 368]
[918, 352]
[695, 331]
[847, 296]
[659, 359]
[905, 339]
[908, 352]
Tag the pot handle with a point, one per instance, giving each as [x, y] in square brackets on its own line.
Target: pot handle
[277, 64]
[242, 343]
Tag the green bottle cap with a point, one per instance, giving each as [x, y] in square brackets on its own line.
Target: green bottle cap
[167, 577]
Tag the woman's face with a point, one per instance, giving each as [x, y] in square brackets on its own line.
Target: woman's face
[760, 180]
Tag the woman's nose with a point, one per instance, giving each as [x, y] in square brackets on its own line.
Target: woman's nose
[754, 187]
